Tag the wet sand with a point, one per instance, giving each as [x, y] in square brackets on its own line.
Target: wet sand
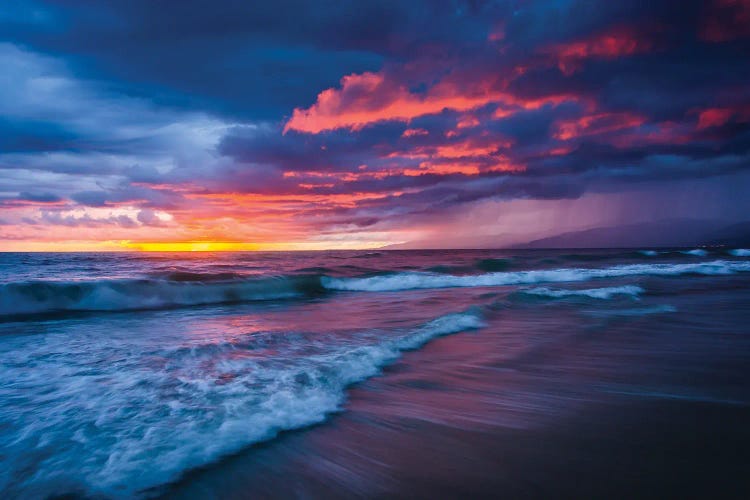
[583, 415]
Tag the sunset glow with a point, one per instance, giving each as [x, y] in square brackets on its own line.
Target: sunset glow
[289, 140]
[374, 249]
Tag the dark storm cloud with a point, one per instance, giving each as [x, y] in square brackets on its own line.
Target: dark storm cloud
[31, 136]
[39, 197]
[408, 107]
[249, 59]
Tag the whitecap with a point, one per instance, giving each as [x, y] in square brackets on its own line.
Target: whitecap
[415, 280]
[640, 311]
[154, 410]
[698, 252]
[594, 293]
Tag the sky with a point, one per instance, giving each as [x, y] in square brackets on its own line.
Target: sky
[236, 125]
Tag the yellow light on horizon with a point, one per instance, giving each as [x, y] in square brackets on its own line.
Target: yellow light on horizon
[231, 246]
[186, 246]
[193, 246]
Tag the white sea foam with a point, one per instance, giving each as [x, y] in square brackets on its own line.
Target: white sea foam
[594, 293]
[640, 311]
[118, 295]
[126, 412]
[409, 281]
[698, 252]
[740, 252]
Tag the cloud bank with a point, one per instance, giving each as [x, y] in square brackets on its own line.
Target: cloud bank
[376, 123]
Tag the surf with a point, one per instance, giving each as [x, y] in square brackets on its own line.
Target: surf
[165, 408]
[29, 299]
[415, 280]
[40, 297]
[593, 293]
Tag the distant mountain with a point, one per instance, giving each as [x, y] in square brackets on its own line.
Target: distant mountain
[668, 233]
[447, 242]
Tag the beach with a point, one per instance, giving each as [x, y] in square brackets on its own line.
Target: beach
[424, 374]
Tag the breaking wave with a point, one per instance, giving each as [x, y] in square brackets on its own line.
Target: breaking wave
[640, 311]
[156, 413]
[698, 252]
[121, 295]
[410, 281]
[42, 297]
[594, 293]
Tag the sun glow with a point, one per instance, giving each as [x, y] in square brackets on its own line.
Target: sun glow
[234, 246]
[192, 246]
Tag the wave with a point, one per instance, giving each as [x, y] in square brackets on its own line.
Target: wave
[698, 252]
[119, 295]
[189, 276]
[493, 264]
[740, 252]
[641, 311]
[192, 289]
[142, 423]
[594, 293]
[412, 281]
[366, 255]
[648, 253]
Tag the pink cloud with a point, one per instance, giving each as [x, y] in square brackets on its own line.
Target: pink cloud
[619, 42]
[413, 132]
[716, 117]
[595, 124]
[372, 97]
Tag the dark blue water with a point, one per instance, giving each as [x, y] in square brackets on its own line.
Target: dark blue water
[411, 373]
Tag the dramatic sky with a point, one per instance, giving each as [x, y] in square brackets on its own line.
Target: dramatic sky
[298, 124]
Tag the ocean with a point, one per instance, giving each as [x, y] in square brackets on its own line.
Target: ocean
[441, 373]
